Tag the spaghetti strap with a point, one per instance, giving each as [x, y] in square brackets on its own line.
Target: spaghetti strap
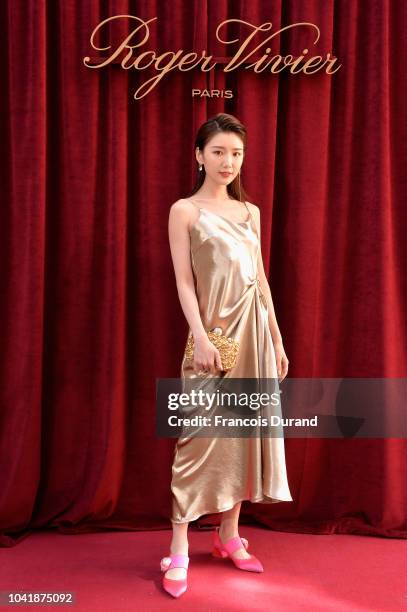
[248, 210]
[253, 222]
[193, 203]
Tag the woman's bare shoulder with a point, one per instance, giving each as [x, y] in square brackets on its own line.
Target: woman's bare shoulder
[183, 214]
[181, 208]
[253, 208]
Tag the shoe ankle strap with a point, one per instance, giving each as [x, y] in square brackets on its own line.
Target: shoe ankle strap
[233, 544]
[179, 560]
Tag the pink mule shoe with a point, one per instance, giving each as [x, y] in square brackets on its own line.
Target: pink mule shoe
[174, 587]
[222, 550]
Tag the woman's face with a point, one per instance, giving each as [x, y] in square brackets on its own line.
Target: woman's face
[223, 153]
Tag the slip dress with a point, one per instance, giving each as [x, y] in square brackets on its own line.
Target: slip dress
[212, 474]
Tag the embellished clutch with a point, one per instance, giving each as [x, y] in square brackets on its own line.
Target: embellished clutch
[227, 347]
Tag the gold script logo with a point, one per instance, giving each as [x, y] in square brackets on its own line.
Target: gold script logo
[179, 60]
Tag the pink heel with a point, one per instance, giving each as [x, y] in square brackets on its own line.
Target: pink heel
[220, 554]
[223, 550]
[174, 587]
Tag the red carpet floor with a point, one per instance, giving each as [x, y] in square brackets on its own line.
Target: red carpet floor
[119, 572]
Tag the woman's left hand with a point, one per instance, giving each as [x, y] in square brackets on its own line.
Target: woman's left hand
[281, 360]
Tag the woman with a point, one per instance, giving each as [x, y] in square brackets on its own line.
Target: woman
[214, 237]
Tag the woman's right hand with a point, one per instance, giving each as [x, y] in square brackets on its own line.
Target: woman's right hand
[206, 356]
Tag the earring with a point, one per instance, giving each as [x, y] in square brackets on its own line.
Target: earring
[200, 166]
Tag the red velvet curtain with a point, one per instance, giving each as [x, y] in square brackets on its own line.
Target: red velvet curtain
[89, 311]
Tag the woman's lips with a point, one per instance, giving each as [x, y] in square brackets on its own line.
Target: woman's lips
[226, 173]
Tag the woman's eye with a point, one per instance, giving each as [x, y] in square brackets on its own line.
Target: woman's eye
[236, 153]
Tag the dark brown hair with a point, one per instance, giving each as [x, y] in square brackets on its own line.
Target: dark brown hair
[221, 123]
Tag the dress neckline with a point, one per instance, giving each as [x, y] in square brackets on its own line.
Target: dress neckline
[221, 216]
[225, 218]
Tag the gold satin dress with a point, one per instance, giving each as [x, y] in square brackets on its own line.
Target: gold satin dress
[211, 475]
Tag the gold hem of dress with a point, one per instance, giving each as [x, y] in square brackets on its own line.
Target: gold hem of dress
[261, 500]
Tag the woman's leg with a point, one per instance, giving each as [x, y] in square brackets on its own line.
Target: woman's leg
[229, 528]
[179, 545]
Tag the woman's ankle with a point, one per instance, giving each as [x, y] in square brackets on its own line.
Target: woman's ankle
[228, 532]
[179, 547]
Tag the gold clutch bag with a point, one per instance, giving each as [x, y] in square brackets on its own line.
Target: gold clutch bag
[227, 347]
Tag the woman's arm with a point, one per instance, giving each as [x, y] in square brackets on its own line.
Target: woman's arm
[178, 232]
[264, 285]
[281, 357]
[206, 356]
